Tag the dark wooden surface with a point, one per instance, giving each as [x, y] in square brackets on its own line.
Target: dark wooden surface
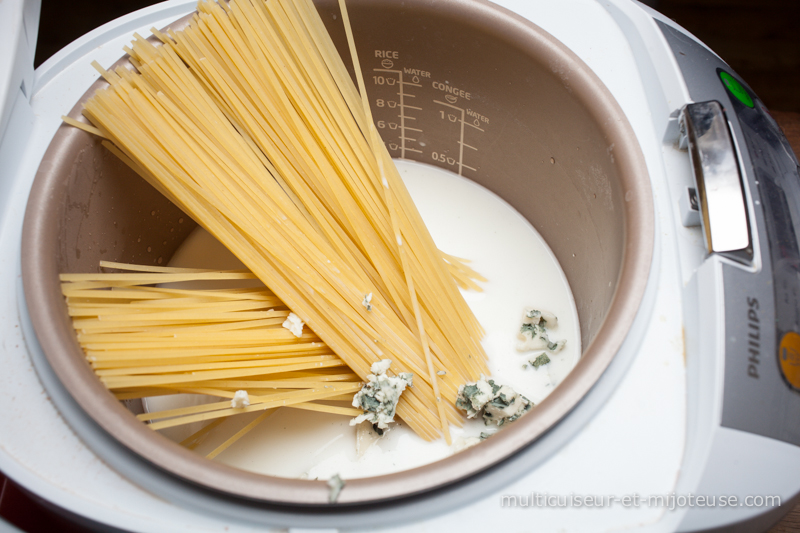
[790, 523]
[760, 39]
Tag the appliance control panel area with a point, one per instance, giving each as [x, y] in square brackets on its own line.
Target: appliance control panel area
[760, 285]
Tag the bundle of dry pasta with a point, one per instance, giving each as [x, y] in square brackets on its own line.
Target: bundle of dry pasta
[144, 337]
[248, 121]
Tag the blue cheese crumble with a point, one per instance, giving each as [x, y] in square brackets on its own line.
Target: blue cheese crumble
[367, 302]
[498, 404]
[462, 443]
[240, 399]
[541, 359]
[379, 397]
[335, 486]
[294, 324]
[534, 331]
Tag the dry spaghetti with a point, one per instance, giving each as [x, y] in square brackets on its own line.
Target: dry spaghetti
[248, 121]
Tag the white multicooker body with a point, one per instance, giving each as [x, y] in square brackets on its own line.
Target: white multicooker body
[622, 444]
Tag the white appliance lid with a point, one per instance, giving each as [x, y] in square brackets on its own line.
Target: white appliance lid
[19, 26]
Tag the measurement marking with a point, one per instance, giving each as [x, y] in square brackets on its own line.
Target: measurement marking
[447, 105]
[461, 147]
[403, 107]
[402, 117]
[400, 72]
[462, 114]
[461, 143]
[470, 168]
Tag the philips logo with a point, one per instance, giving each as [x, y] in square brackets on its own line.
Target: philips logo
[753, 338]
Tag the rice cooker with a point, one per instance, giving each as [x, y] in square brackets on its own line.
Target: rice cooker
[661, 183]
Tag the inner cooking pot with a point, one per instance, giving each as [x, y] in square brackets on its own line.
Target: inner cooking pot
[460, 84]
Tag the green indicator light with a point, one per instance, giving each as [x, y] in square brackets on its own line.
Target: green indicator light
[736, 89]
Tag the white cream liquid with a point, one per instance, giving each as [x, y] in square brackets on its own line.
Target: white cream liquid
[466, 221]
